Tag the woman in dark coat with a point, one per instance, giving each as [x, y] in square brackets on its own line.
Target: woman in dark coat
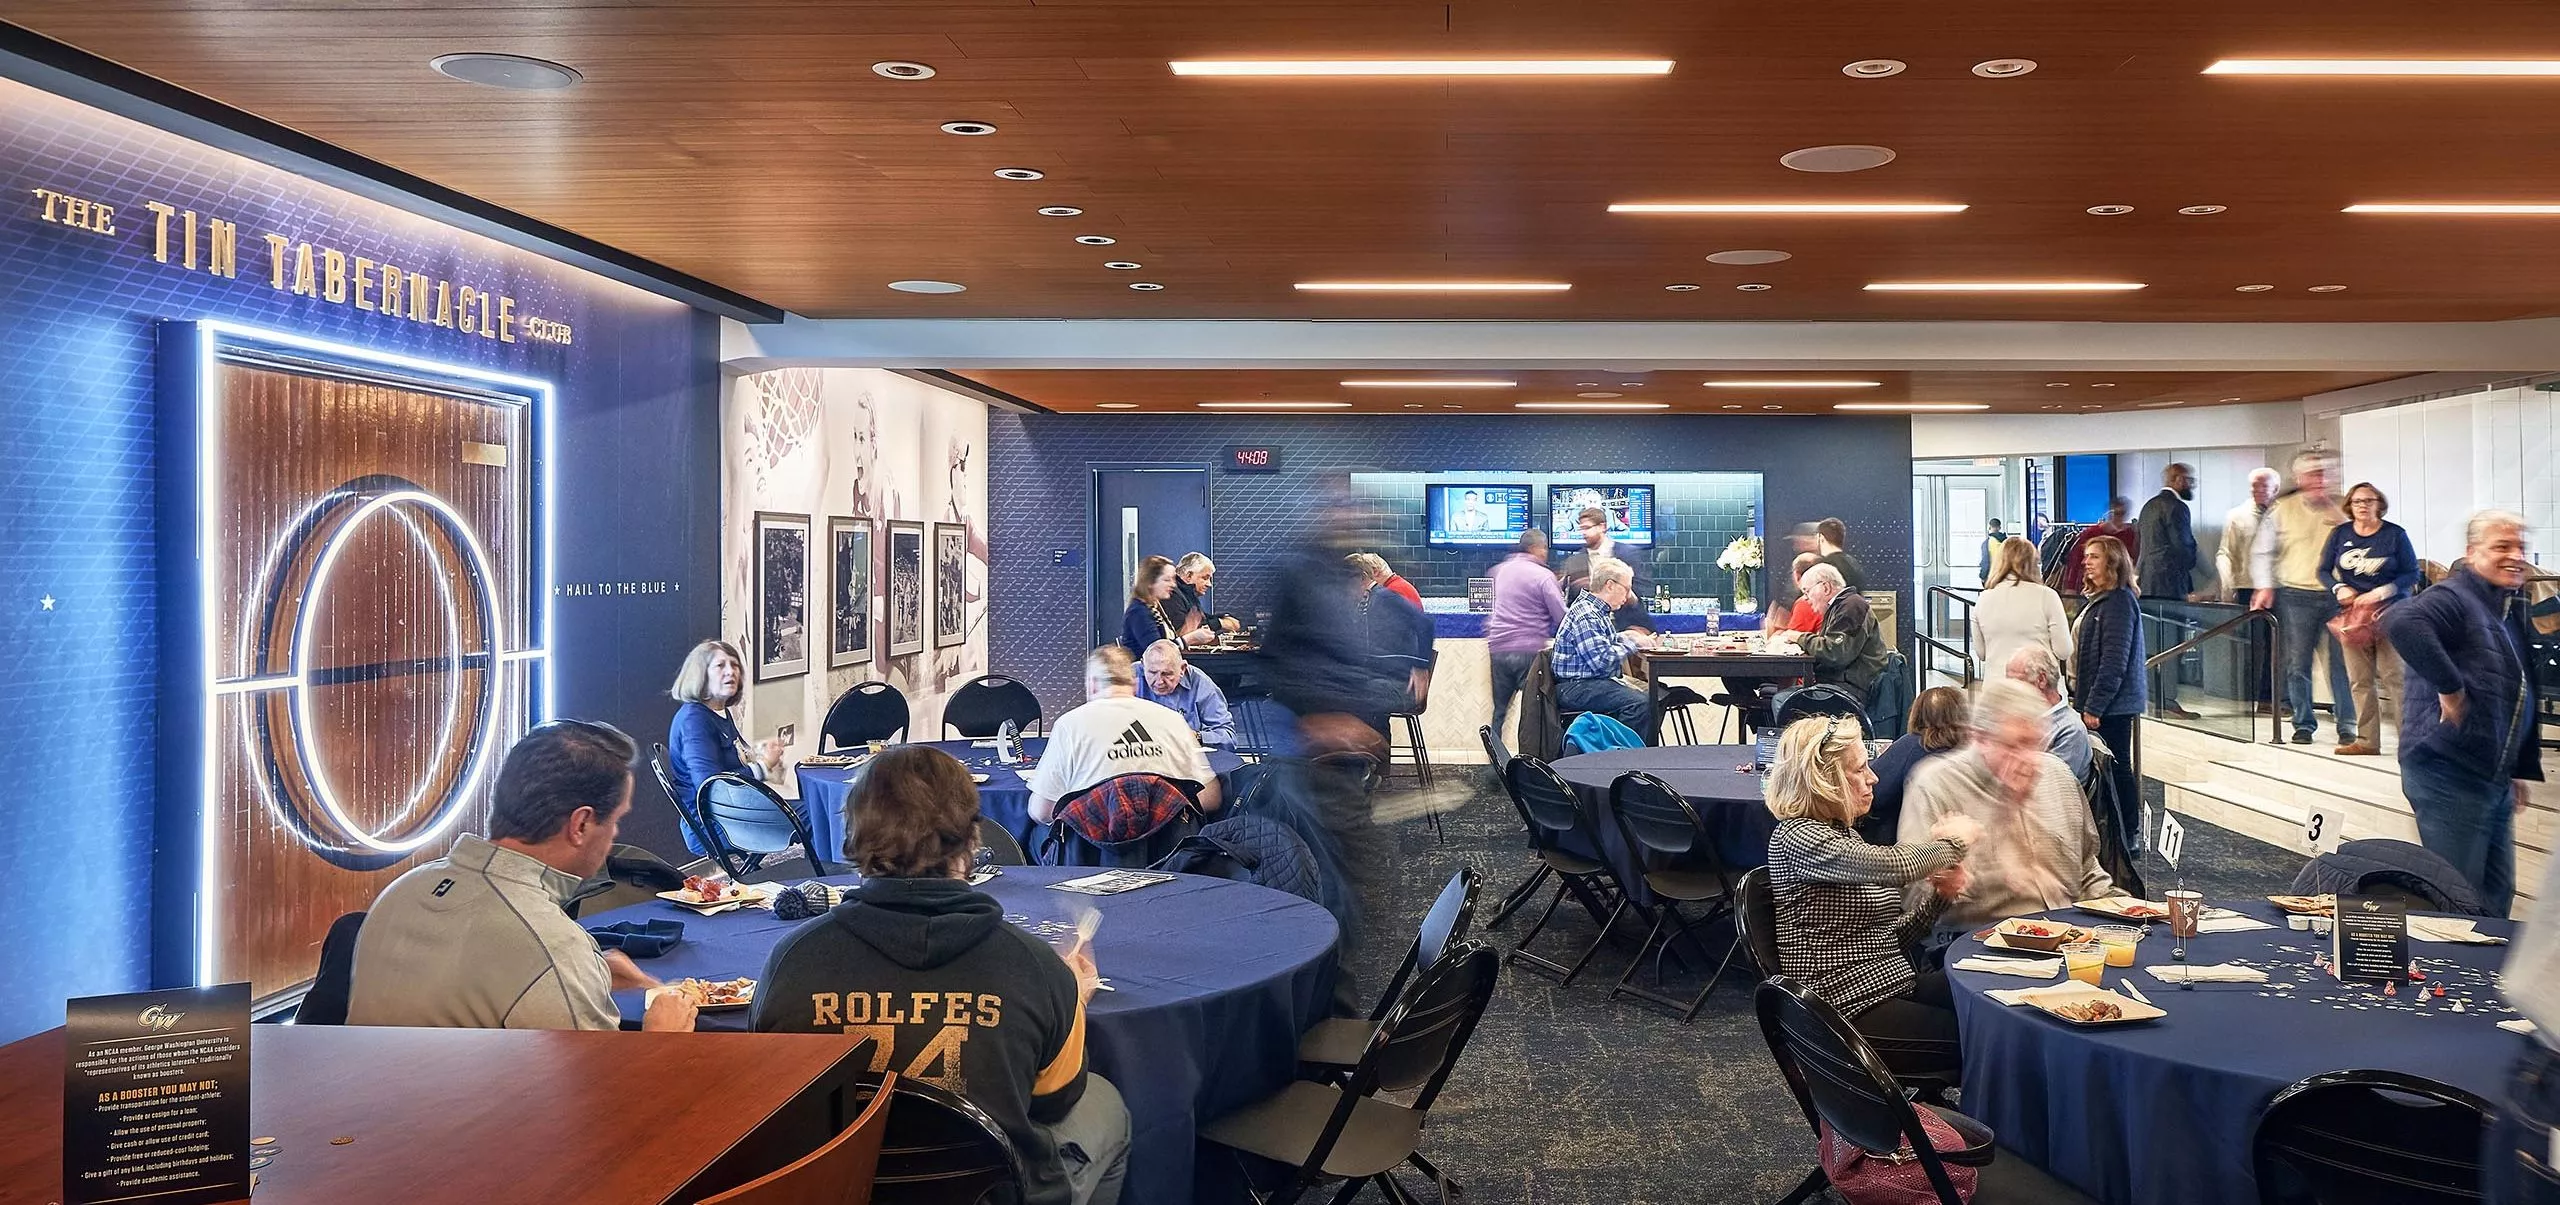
[2111, 685]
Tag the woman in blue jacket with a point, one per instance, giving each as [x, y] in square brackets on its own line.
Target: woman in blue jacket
[2368, 564]
[2111, 684]
[703, 740]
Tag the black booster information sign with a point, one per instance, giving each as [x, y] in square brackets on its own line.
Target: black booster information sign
[2372, 939]
[155, 1097]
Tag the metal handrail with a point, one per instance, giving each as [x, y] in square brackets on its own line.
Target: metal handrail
[2275, 635]
[1929, 613]
[1971, 671]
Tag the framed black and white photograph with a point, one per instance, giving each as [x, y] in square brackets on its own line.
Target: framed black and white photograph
[950, 584]
[906, 588]
[782, 595]
[849, 588]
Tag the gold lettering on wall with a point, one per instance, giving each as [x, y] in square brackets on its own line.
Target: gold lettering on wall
[333, 275]
[364, 283]
[225, 260]
[79, 213]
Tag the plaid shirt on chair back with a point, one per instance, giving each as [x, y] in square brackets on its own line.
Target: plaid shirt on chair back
[1124, 808]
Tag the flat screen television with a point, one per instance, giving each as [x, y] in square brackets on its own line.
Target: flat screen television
[1630, 510]
[2087, 485]
[1476, 514]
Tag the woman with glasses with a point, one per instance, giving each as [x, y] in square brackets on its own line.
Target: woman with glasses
[2369, 564]
[2109, 677]
[703, 738]
[1843, 917]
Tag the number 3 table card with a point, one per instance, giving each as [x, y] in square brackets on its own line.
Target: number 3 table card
[2371, 942]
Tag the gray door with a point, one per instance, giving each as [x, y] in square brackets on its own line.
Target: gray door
[1139, 513]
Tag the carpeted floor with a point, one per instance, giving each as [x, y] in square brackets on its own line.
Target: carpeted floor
[1565, 1096]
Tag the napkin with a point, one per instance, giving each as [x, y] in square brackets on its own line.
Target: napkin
[2218, 973]
[2519, 1025]
[2444, 928]
[2234, 923]
[2031, 968]
[640, 939]
[2016, 996]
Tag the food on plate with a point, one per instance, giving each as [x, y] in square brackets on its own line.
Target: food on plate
[2309, 905]
[709, 891]
[2125, 905]
[2045, 935]
[723, 993]
[2089, 1010]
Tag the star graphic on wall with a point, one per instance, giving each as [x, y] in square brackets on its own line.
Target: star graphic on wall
[46, 602]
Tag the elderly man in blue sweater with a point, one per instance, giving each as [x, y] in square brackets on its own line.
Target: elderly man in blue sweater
[2467, 740]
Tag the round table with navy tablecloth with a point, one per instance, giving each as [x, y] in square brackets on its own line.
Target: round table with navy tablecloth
[2163, 1112]
[1715, 779]
[1004, 797]
[1212, 981]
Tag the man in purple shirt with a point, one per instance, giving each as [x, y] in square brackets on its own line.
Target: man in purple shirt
[1528, 606]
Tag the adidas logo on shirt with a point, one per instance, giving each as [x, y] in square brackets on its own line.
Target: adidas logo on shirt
[1134, 742]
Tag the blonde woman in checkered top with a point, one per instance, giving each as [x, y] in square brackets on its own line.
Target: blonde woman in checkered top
[1842, 924]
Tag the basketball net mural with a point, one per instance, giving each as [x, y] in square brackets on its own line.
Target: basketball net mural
[372, 562]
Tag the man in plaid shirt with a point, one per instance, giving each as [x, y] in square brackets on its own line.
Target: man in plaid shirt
[1591, 652]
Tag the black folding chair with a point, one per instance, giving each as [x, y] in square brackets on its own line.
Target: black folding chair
[1345, 1132]
[1681, 865]
[1063, 845]
[941, 1149]
[1500, 758]
[749, 825]
[1840, 1081]
[1334, 1044]
[1555, 814]
[993, 837]
[333, 987]
[682, 802]
[871, 711]
[984, 703]
[2371, 1138]
[1757, 921]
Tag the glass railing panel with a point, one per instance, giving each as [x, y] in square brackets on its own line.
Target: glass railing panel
[2219, 683]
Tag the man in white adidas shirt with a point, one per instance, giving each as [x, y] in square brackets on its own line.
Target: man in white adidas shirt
[1117, 733]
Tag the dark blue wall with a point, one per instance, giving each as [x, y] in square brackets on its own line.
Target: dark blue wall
[1040, 485]
[638, 488]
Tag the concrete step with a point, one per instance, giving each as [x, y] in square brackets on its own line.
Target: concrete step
[2283, 784]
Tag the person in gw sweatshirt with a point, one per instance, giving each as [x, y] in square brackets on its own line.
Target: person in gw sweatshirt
[918, 961]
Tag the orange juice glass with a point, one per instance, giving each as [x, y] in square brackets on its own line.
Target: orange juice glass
[2119, 941]
[2086, 960]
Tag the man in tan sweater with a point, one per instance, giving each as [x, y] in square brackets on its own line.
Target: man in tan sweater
[2231, 564]
[2039, 845]
[2284, 565]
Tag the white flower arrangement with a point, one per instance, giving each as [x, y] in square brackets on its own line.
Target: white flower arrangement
[1744, 552]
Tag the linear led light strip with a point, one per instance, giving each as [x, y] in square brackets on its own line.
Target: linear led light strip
[1275, 405]
[1429, 384]
[1431, 286]
[2497, 208]
[2002, 286]
[209, 335]
[2455, 67]
[1750, 207]
[1322, 68]
[1910, 407]
[1590, 405]
[1791, 384]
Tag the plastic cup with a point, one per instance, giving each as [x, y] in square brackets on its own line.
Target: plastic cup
[2186, 909]
[2119, 941]
[2085, 960]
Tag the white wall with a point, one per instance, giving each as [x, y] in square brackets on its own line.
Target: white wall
[2222, 482]
[858, 443]
[2439, 461]
[1958, 435]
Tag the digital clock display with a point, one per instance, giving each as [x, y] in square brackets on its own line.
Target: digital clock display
[1243, 459]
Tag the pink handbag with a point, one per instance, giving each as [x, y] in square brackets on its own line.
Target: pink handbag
[1865, 1178]
[2358, 626]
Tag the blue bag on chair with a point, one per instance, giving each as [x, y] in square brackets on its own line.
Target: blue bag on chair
[1592, 732]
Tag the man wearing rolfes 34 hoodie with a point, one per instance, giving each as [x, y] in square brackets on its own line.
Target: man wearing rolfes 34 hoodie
[924, 966]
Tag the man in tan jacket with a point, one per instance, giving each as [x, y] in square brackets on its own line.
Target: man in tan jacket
[2231, 565]
[2284, 565]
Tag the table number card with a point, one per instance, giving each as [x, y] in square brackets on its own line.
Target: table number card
[155, 1097]
[2173, 839]
[2370, 943]
[2321, 830]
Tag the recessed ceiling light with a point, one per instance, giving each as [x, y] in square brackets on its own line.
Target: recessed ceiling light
[1601, 394]
[2385, 67]
[2201, 210]
[1773, 407]
[513, 72]
[2091, 406]
[1096, 240]
[2048, 407]
[1413, 405]
[1733, 405]
[2251, 288]
[2326, 289]
[1420, 384]
[2506, 208]
[1586, 384]
[1785, 207]
[2103, 385]
[1121, 265]
[1274, 405]
[1451, 406]
[968, 129]
[1630, 384]
[2003, 68]
[1285, 68]
[1614, 406]
[1060, 211]
[1844, 157]
[2156, 405]
[1148, 286]
[1874, 68]
[1020, 173]
[1431, 286]
[1791, 384]
[1754, 288]
[2001, 286]
[1909, 407]
[2109, 211]
[2057, 384]
[1115, 405]
[901, 69]
[1679, 288]
[2231, 399]
[1750, 257]
[927, 286]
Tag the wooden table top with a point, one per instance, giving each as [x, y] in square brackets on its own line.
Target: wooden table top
[463, 1115]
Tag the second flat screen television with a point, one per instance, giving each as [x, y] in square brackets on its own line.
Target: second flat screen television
[1630, 510]
[1476, 514]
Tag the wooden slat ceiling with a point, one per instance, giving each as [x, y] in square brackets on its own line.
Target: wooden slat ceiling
[749, 144]
[1182, 390]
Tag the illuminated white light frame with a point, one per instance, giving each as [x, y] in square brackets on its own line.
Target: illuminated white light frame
[1341, 68]
[2386, 67]
[210, 337]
